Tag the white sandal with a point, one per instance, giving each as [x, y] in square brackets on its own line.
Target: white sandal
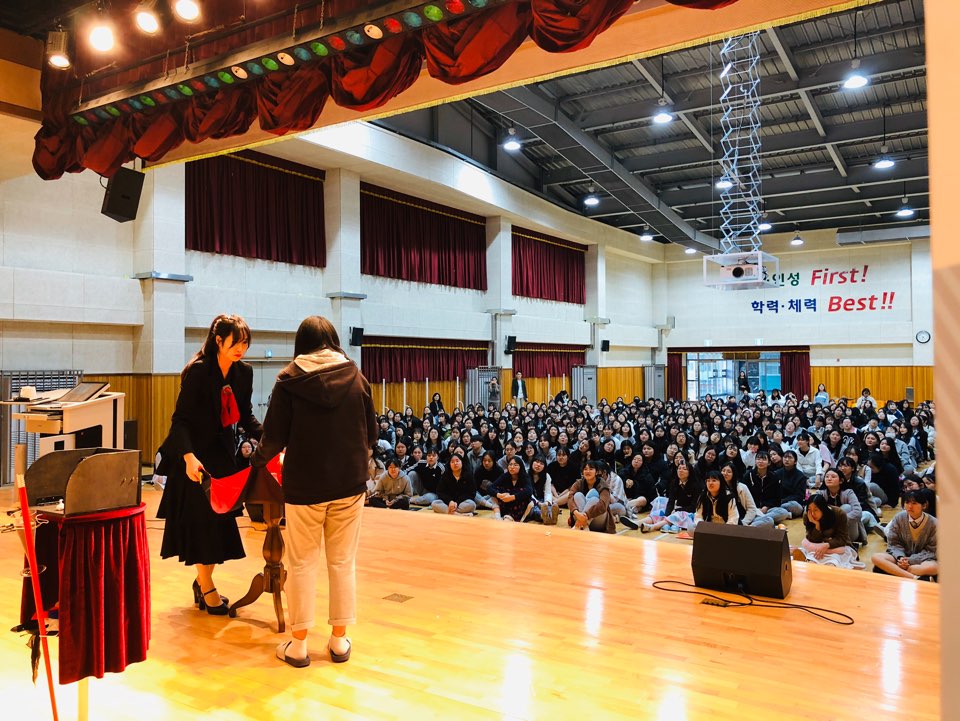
[295, 662]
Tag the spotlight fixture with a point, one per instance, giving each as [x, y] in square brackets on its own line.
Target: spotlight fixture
[856, 79]
[187, 10]
[56, 49]
[690, 251]
[146, 17]
[511, 142]
[646, 236]
[797, 239]
[884, 162]
[101, 37]
[591, 200]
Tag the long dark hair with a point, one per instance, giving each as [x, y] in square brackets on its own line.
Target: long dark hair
[222, 327]
[724, 497]
[315, 333]
[828, 518]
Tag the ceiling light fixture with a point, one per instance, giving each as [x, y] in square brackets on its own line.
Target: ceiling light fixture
[724, 183]
[856, 79]
[591, 200]
[187, 10]
[797, 239]
[905, 210]
[511, 142]
[664, 116]
[764, 227]
[646, 236]
[56, 49]
[690, 251]
[884, 162]
[146, 17]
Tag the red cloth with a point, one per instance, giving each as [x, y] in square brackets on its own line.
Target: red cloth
[226, 493]
[393, 359]
[536, 360]
[103, 563]
[795, 372]
[548, 268]
[675, 377]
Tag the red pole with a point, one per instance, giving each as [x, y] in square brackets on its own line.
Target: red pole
[35, 582]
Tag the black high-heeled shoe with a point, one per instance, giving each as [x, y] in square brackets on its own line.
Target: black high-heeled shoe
[198, 596]
[222, 610]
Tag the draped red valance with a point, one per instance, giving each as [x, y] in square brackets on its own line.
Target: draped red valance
[548, 268]
[290, 99]
[413, 239]
[538, 360]
[394, 359]
[255, 206]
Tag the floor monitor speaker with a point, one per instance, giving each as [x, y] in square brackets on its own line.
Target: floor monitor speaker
[754, 558]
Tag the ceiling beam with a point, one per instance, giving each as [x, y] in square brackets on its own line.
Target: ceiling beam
[839, 162]
[782, 48]
[824, 77]
[548, 121]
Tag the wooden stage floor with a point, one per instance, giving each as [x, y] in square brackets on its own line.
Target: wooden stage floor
[513, 622]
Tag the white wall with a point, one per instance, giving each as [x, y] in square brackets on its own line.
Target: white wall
[630, 291]
[849, 321]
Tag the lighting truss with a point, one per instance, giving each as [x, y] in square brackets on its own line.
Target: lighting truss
[741, 209]
[275, 56]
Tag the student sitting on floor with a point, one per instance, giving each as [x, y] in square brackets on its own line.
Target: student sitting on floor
[512, 492]
[717, 504]
[393, 490]
[747, 509]
[682, 497]
[828, 539]
[590, 501]
[911, 542]
[456, 489]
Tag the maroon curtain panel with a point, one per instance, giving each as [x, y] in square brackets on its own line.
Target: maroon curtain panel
[393, 359]
[795, 372]
[289, 99]
[548, 268]
[255, 206]
[412, 239]
[675, 377]
[536, 360]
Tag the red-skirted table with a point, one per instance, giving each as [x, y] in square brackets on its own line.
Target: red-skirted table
[98, 571]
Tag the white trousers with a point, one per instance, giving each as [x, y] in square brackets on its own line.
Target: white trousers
[337, 526]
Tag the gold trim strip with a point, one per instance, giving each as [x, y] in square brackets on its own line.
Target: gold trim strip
[424, 347]
[422, 207]
[550, 242]
[275, 167]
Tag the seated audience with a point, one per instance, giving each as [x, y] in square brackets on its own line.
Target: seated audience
[911, 542]
[456, 490]
[393, 490]
[827, 539]
[717, 504]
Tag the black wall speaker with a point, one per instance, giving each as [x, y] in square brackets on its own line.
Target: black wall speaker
[754, 557]
[356, 336]
[122, 198]
[604, 345]
[511, 344]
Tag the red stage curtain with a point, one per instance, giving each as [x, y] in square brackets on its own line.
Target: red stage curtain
[393, 359]
[795, 372]
[538, 360]
[412, 239]
[291, 99]
[676, 377]
[548, 268]
[256, 206]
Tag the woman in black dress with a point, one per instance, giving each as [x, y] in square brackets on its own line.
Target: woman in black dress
[215, 399]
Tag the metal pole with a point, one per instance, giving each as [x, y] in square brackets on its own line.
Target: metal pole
[383, 395]
[458, 392]
[404, 396]
[427, 403]
[549, 395]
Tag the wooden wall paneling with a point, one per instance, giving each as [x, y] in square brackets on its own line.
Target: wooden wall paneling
[614, 382]
[884, 382]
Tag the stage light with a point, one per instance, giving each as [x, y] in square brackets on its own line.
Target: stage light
[433, 13]
[146, 17]
[373, 31]
[286, 59]
[354, 37]
[511, 142]
[454, 7]
[393, 25]
[254, 68]
[211, 81]
[412, 19]
[56, 49]
[239, 72]
[148, 101]
[337, 43]
[225, 77]
[101, 37]
[479, 3]
[270, 64]
[185, 89]
[187, 10]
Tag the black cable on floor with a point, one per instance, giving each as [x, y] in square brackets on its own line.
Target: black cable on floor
[727, 603]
